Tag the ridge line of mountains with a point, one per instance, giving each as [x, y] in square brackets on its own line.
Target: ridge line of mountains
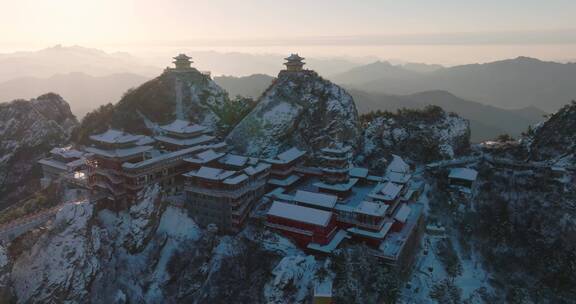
[499, 97]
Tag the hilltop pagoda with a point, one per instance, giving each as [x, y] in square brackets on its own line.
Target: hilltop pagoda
[294, 63]
[182, 62]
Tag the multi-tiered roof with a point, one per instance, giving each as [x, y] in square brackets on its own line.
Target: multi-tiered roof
[294, 63]
[182, 134]
[182, 62]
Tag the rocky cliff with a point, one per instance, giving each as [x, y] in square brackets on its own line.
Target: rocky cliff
[554, 139]
[175, 94]
[150, 253]
[29, 129]
[299, 109]
[419, 135]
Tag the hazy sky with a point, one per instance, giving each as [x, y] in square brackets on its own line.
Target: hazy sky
[424, 30]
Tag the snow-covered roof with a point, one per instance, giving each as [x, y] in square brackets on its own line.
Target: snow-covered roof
[316, 199]
[388, 191]
[324, 288]
[236, 179]
[372, 208]
[53, 163]
[342, 187]
[252, 170]
[234, 160]
[337, 150]
[144, 140]
[403, 213]
[76, 163]
[182, 57]
[118, 153]
[328, 248]
[380, 234]
[204, 157]
[66, 152]
[392, 245]
[115, 137]
[185, 141]
[397, 165]
[398, 177]
[160, 158]
[289, 180]
[464, 174]
[287, 156]
[211, 173]
[359, 172]
[294, 57]
[183, 127]
[300, 213]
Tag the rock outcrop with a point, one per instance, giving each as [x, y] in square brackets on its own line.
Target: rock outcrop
[418, 135]
[28, 130]
[187, 94]
[150, 253]
[554, 140]
[299, 109]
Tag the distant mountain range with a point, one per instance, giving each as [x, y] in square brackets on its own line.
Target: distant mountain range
[84, 92]
[486, 121]
[249, 86]
[67, 59]
[88, 78]
[63, 60]
[513, 83]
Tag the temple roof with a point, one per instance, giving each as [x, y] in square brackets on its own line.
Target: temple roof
[294, 57]
[182, 57]
[211, 173]
[66, 152]
[316, 199]
[115, 137]
[463, 173]
[287, 156]
[182, 127]
[300, 213]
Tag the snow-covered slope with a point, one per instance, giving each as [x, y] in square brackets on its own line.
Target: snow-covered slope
[184, 94]
[418, 135]
[151, 253]
[28, 129]
[555, 139]
[298, 109]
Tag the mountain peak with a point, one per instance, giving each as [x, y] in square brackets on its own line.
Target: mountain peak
[299, 109]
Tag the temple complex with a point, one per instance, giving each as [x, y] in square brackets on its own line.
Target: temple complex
[318, 202]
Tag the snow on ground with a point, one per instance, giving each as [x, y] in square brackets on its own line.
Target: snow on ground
[178, 227]
[141, 215]
[62, 256]
[177, 224]
[474, 276]
[291, 280]
[272, 241]
[3, 257]
[429, 270]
